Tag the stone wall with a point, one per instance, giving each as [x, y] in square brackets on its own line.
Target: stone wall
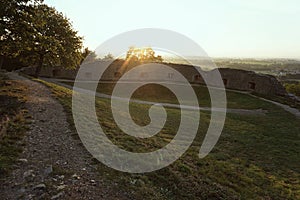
[52, 72]
[251, 81]
[233, 78]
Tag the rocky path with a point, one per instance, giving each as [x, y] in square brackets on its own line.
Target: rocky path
[54, 164]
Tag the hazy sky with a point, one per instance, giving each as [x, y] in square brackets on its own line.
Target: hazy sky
[224, 28]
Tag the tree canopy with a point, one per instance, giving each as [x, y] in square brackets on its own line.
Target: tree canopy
[142, 55]
[12, 18]
[38, 35]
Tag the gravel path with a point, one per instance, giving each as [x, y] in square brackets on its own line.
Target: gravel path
[54, 164]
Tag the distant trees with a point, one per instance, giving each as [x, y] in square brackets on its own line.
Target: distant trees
[109, 56]
[88, 56]
[39, 35]
[142, 55]
[91, 56]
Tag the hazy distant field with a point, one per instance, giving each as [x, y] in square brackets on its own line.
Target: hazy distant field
[274, 67]
[277, 67]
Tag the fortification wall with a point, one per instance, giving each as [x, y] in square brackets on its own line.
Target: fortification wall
[232, 78]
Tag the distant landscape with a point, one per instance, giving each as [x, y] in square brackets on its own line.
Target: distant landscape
[276, 67]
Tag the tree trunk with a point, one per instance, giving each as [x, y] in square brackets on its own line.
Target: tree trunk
[1, 61]
[39, 66]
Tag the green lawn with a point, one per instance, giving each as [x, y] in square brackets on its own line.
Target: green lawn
[257, 157]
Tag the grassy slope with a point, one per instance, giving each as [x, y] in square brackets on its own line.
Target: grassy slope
[157, 93]
[257, 157]
[13, 122]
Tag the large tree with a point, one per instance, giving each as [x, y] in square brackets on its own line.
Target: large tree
[39, 35]
[12, 18]
[53, 40]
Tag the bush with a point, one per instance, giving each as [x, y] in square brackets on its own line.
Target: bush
[293, 88]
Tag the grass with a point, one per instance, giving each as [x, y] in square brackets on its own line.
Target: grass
[283, 100]
[13, 123]
[257, 157]
[158, 93]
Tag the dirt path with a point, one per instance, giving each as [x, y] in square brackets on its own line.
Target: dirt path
[54, 164]
[287, 108]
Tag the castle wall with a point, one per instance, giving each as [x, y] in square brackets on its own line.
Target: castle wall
[251, 81]
[232, 78]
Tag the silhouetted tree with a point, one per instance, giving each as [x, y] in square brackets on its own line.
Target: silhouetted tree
[13, 17]
[109, 56]
[88, 56]
[37, 34]
[53, 40]
[142, 55]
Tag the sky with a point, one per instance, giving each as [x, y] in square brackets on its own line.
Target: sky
[223, 28]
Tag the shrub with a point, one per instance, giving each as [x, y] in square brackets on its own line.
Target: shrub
[293, 88]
